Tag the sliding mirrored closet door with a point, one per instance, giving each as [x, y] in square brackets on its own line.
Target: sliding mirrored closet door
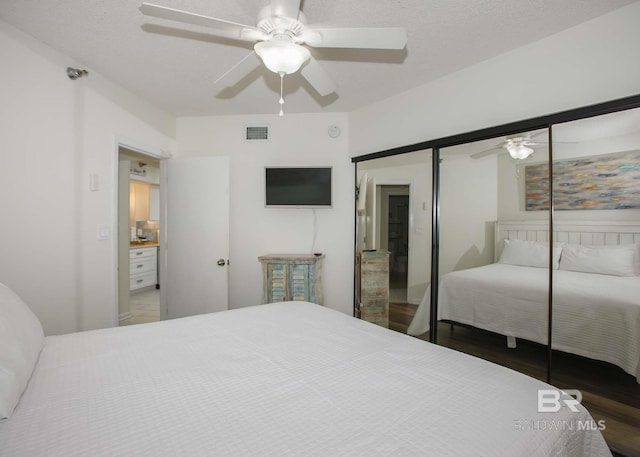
[550, 255]
[596, 286]
[493, 286]
[393, 233]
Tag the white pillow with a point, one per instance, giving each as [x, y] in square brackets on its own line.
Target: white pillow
[529, 253]
[616, 260]
[21, 339]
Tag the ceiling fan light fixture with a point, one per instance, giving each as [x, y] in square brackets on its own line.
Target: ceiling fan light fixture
[518, 150]
[282, 57]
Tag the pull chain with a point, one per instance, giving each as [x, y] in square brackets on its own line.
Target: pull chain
[281, 101]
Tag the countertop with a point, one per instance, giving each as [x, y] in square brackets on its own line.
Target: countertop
[143, 244]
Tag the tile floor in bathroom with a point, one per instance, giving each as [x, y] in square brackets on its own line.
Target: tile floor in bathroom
[144, 307]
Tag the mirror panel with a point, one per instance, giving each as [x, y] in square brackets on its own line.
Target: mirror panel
[596, 289]
[394, 217]
[491, 306]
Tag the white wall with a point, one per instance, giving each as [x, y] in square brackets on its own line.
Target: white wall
[55, 132]
[468, 209]
[296, 139]
[590, 63]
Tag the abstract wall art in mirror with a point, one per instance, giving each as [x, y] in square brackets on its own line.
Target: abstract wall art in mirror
[603, 182]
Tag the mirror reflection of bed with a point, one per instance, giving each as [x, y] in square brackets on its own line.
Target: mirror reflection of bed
[596, 334]
[596, 320]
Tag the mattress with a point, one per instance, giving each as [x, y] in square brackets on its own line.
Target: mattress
[594, 315]
[286, 379]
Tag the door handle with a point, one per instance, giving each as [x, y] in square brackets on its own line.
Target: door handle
[221, 263]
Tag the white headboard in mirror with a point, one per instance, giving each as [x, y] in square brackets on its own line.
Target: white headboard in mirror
[574, 232]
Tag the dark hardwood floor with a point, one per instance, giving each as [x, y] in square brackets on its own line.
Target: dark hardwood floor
[608, 392]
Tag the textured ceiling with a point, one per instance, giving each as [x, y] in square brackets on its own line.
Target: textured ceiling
[173, 66]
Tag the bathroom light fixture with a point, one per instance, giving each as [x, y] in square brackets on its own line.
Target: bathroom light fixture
[517, 149]
[282, 56]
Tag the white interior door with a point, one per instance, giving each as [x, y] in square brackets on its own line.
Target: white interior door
[195, 248]
[124, 235]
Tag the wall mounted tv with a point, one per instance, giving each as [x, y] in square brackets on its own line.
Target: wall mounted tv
[298, 187]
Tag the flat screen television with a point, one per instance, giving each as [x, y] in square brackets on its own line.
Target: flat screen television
[298, 187]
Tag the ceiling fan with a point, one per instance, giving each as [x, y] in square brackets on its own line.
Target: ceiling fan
[281, 34]
[518, 146]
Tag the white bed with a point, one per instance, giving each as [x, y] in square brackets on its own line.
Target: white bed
[594, 315]
[286, 379]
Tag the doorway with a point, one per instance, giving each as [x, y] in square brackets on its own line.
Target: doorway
[193, 201]
[394, 236]
[398, 246]
[138, 237]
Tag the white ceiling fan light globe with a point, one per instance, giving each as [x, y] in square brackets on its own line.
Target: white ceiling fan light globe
[519, 151]
[282, 57]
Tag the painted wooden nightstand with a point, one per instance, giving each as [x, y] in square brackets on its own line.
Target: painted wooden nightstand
[374, 287]
[292, 277]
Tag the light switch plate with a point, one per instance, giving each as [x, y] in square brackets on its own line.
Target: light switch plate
[94, 182]
[104, 233]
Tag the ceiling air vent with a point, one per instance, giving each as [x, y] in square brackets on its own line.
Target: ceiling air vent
[256, 133]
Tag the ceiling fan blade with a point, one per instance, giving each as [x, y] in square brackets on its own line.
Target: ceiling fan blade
[285, 8]
[318, 78]
[538, 133]
[232, 76]
[362, 38]
[537, 144]
[486, 152]
[223, 28]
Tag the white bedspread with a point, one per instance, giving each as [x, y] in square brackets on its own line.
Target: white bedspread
[596, 316]
[288, 379]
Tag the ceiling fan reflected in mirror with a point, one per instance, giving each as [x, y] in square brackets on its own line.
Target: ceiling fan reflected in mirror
[281, 37]
[518, 146]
